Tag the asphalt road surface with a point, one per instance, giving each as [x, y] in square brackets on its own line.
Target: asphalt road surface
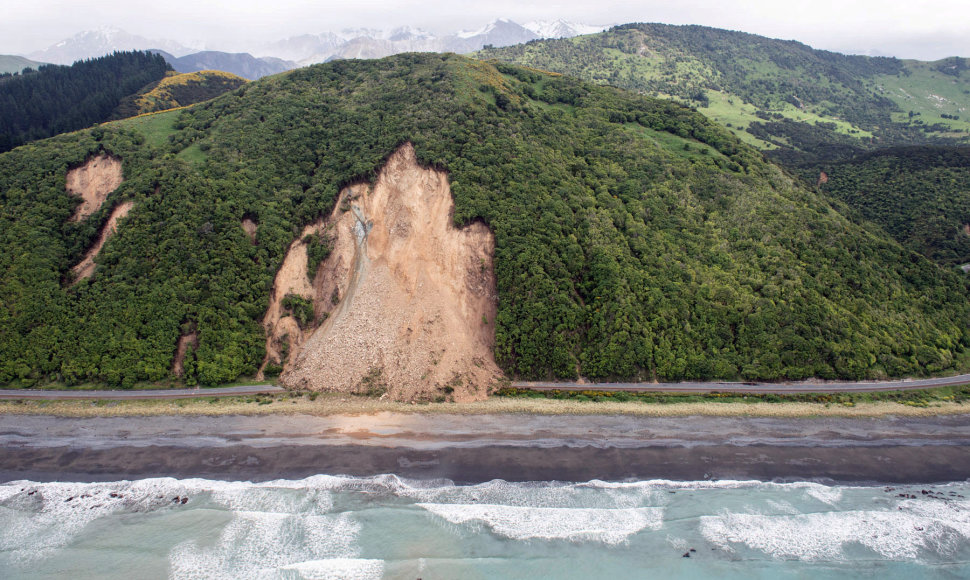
[686, 387]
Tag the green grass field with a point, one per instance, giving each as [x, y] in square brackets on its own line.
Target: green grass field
[192, 154]
[929, 94]
[156, 127]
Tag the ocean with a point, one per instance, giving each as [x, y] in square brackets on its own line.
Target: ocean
[389, 527]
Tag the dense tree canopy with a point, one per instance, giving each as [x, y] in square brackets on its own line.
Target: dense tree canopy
[920, 195]
[634, 237]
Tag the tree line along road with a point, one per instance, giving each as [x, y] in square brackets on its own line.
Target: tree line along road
[48, 395]
[753, 387]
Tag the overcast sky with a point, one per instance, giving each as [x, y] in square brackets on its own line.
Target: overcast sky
[927, 29]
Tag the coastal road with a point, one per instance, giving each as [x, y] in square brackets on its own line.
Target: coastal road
[686, 387]
[751, 387]
[144, 394]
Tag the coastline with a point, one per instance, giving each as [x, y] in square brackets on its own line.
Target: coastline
[513, 447]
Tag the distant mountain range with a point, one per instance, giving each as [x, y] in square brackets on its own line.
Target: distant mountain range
[368, 43]
[105, 40]
[242, 64]
[310, 48]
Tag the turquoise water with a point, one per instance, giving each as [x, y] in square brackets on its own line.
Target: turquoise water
[386, 527]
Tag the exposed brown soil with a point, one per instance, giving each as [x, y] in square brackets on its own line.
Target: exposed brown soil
[93, 181]
[284, 337]
[410, 299]
[249, 226]
[186, 341]
[86, 267]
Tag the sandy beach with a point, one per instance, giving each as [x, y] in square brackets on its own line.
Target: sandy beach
[469, 449]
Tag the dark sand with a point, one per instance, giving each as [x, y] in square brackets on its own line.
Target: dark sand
[469, 449]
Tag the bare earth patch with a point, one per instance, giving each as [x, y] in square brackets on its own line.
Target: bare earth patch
[284, 337]
[86, 267]
[409, 300]
[92, 182]
[186, 341]
[249, 226]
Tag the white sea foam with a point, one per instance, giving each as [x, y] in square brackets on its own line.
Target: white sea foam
[824, 493]
[261, 544]
[40, 518]
[783, 507]
[272, 498]
[610, 526]
[338, 569]
[36, 519]
[899, 534]
[286, 529]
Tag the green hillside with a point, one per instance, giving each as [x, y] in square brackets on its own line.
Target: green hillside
[178, 90]
[800, 103]
[634, 238]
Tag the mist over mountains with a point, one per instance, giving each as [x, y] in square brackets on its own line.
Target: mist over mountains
[104, 40]
[314, 48]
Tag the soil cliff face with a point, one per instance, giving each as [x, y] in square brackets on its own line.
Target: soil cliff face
[92, 182]
[284, 335]
[186, 342]
[407, 301]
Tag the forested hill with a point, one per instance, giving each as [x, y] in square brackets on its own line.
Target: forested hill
[920, 195]
[178, 90]
[56, 99]
[634, 238]
[800, 103]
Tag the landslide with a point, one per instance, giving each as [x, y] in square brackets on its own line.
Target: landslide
[633, 238]
[286, 326]
[413, 297]
[92, 182]
[85, 268]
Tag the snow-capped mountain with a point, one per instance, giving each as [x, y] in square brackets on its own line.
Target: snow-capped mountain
[352, 33]
[501, 32]
[407, 33]
[561, 28]
[369, 43]
[105, 40]
[300, 47]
